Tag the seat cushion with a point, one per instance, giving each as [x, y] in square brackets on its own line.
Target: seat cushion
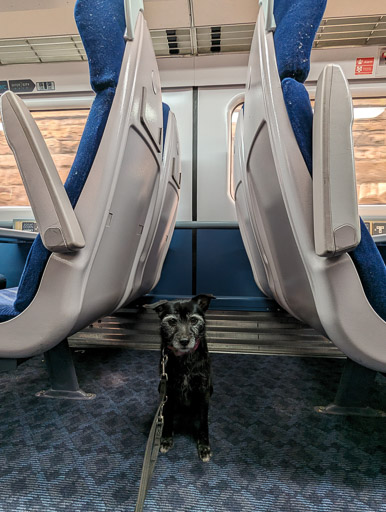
[101, 25]
[7, 301]
[366, 257]
[300, 113]
[297, 22]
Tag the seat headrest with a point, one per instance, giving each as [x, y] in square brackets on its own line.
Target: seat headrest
[297, 22]
[102, 25]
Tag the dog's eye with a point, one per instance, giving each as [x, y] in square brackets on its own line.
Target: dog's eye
[193, 320]
[172, 322]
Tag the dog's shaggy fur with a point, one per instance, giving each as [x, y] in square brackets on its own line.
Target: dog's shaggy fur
[189, 383]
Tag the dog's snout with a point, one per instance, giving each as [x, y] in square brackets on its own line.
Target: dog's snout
[184, 342]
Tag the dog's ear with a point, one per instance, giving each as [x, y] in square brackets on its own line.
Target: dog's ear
[203, 300]
[157, 306]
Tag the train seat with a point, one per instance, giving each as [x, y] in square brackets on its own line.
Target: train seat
[248, 235]
[321, 263]
[111, 213]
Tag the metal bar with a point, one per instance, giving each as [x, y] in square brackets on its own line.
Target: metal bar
[193, 30]
[206, 225]
[64, 382]
[353, 395]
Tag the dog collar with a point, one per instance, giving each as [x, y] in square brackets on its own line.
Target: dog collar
[180, 353]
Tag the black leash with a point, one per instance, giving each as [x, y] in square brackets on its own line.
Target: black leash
[154, 441]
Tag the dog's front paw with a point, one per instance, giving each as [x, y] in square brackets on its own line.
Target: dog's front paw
[166, 444]
[204, 452]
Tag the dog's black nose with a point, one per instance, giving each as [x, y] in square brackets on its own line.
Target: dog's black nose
[184, 343]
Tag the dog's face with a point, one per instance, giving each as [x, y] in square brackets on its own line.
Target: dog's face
[182, 322]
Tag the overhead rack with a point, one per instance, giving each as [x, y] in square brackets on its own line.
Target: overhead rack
[189, 41]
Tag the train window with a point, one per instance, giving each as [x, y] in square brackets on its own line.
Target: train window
[369, 134]
[62, 130]
[234, 115]
[369, 137]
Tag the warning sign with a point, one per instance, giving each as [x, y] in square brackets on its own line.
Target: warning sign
[364, 66]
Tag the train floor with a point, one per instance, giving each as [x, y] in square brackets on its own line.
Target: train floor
[271, 450]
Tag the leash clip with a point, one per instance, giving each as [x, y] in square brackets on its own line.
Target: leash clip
[164, 360]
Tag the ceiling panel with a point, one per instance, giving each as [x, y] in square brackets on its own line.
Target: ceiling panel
[167, 13]
[224, 12]
[38, 22]
[170, 29]
[20, 5]
[346, 8]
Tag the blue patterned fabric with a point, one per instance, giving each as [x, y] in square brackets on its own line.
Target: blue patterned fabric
[271, 451]
[101, 24]
[296, 24]
[366, 257]
[300, 113]
[165, 115]
[7, 301]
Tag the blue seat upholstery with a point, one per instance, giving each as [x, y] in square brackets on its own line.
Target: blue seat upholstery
[7, 301]
[297, 22]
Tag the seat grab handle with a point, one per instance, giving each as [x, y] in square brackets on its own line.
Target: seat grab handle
[335, 204]
[56, 219]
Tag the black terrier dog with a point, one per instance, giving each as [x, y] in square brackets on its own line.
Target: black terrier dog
[189, 377]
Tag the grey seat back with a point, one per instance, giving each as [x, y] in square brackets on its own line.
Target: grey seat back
[114, 211]
[326, 293]
[243, 209]
[146, 273]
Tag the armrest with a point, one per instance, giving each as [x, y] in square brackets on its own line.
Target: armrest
[58, 225]
[336, 217]
[18, 234]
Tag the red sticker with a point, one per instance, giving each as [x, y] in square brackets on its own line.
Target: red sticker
[364, 66]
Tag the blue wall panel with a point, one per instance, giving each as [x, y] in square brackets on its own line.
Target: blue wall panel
[176, 276]
[223, 269]
[12, 259]
[218, 263]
